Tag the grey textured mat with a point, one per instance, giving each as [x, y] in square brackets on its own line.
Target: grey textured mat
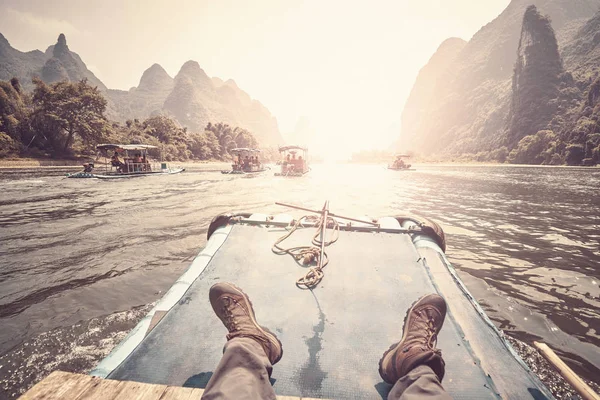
[332, 337]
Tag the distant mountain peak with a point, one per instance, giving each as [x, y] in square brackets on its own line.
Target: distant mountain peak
[62, 40]
[453, 41]
[231, 82]
[192, 68]
[156, 67]
[191, 72]
[155, 77]
[61, 46]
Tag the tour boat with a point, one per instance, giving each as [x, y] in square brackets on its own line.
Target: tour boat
[294, 161]
[245, 161]
[334, 334]
[125, 161]
[399, 163]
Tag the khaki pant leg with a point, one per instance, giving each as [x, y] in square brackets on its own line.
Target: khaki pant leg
[420, 383]
[242, 373]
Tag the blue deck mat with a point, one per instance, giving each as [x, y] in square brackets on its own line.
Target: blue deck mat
[333, 337]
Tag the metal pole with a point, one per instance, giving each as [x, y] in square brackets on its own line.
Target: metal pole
[330, 214]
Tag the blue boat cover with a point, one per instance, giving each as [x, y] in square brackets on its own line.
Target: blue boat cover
[334, 335]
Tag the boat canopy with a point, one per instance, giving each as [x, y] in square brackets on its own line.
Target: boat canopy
[292, 147]
[125, 146]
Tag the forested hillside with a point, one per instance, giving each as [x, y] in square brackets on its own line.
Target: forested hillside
[66, 119]
[530, 70]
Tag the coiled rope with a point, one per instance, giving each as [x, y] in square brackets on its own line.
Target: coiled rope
[310, 255]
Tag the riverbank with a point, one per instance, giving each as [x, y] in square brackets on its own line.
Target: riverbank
[37, 163]
[8, 163]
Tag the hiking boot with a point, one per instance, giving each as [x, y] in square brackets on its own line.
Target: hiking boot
[234, 309]
[422, 324]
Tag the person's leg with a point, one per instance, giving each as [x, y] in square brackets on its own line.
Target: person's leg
[414, 366]
[250, 351]
[419, 383]
[242, 373]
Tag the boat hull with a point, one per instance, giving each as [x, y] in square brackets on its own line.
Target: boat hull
[346, 323]
[293, 174]
[78, 175]
[130, 175]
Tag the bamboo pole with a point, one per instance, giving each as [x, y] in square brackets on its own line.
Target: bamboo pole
[586, 392]
[330, 214]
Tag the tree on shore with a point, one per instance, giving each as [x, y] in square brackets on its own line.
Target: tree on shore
[13, 117]
[64, 111]
[67, 118]
[231, 137]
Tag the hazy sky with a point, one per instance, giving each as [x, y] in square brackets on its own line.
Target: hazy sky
[346, 66]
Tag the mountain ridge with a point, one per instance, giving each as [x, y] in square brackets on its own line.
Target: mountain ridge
[208, 99]
[467, 112]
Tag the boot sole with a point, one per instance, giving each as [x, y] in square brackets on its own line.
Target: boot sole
[263, 329]
[404, 332]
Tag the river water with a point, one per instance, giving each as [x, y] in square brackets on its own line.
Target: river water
[526, 240]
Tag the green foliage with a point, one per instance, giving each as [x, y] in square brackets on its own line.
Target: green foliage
[536, 77]
[65, 111]
[165, 129]
[230, 137]
[177, 143]
[13, 109]
[575, 154]
[9, 147]
[67, 118]
[499, 155]
[535, 149]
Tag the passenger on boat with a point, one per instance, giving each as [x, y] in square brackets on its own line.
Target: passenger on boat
[137, 162]
[145, 164]
[89, 167]
[115, 162]
[413, 366]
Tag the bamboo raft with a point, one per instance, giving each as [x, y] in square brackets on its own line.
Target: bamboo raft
[66, 385]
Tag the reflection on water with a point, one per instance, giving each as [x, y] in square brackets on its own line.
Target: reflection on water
[74, 249]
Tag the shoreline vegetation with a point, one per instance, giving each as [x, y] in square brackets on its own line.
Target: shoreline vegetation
[67, 120]
[495, 157]
[25, 162]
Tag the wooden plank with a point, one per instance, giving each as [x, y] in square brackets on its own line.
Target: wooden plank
[59, 385]
[139, 391]
[179, 393]
[100, 389]
[65, 385]
[196, 394]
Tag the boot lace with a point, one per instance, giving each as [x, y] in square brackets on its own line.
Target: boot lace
[230, 322]
[426, 324]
